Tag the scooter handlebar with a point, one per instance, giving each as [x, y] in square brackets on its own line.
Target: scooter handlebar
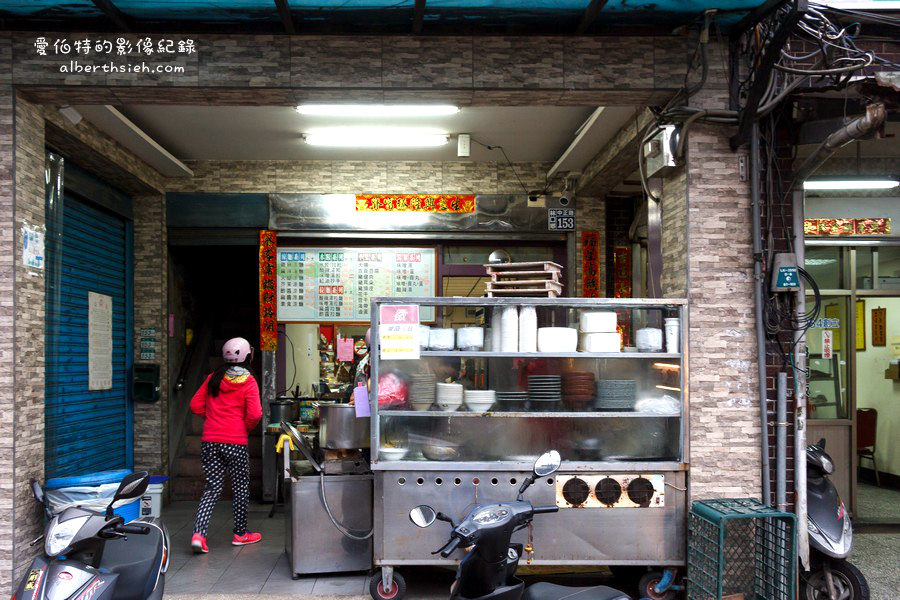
[452, 545]
[538, 510]
[133, 529]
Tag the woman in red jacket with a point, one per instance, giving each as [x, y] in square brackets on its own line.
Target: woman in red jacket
[229, 400]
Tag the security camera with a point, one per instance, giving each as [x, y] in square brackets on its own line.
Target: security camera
[563, 200]
[533, 197]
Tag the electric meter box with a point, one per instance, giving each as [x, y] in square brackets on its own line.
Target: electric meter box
[785, 276]
[659, 151]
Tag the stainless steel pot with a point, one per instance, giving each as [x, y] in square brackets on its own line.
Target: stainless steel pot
[283, 409]
[340, 429]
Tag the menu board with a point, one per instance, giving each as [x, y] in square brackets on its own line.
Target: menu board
[338, 284]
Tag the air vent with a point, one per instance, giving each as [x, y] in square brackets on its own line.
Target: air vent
[576, 491]
[640, 491]
[608, 491]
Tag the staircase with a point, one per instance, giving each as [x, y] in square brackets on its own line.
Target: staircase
[187, 470]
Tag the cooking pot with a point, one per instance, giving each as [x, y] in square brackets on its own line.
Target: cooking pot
[340, 429]
[283, 409]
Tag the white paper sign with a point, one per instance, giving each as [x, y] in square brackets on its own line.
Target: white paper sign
[100, 343]
[33, 247]
[827, 343]
[398, 332]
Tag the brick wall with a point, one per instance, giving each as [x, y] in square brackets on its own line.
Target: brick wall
[674, 214]
[151, 310]
[29, 332]
[347, 177]
[7, 328]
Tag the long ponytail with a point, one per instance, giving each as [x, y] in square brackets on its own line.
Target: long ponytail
[215, 380]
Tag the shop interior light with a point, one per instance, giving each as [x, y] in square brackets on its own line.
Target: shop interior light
[668, 387]
[377, 110]
[666, 366]
[851, 184]
[375, 137]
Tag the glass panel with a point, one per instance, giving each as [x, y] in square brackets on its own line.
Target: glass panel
[824, 264]
[478, 255]
[827, 346]
[864, 264]
[888, 267]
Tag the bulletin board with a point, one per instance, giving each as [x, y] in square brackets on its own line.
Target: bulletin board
[337, 284]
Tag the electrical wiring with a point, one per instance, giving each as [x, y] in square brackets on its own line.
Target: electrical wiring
[294, 361]
[509, 162]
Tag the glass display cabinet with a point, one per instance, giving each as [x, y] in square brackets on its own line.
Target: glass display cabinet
[603, 381]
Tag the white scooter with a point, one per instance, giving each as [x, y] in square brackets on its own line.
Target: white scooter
[91, 555]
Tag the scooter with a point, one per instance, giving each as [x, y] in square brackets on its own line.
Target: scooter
[91, 555]
[487, 572]
[831, 576]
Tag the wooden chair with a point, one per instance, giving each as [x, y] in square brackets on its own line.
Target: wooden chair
[866, 427]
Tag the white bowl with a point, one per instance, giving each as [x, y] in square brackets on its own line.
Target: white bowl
[448, 406]
[557, 339]
[470, 338]
[441, 339]
[388, 454]
[421, 406]
[479, 405]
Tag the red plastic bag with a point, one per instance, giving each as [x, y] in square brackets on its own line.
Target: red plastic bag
[393, 390]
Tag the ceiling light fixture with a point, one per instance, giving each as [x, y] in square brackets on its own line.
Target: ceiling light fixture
[377, 110]
[851, 184]
[376, 137]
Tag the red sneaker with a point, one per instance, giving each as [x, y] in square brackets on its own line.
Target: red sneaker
[198, 543]
[246, 539]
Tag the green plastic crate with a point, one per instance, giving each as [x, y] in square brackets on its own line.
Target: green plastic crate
[740, 548]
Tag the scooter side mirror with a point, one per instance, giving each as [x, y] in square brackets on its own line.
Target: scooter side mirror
[547, 463]
[131, 486]
[422, 516]
[37, 490]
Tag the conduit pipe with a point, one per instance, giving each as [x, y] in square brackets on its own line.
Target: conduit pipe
[852, 131]
[758, 310]
[781, 425]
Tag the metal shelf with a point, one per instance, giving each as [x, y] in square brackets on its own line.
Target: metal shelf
[508, 415]
[481, 354]
[625, 466]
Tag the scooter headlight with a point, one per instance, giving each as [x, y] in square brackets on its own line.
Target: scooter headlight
[827, 465]
[61, 533]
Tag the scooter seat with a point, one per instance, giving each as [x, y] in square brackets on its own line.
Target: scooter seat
[551, 591]
[136, 560]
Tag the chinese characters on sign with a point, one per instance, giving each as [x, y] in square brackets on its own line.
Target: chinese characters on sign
[338, 284]
[121, 46]
[268, 311]
[827, 344]
[100, 343]
[433, 203]
[398, 332]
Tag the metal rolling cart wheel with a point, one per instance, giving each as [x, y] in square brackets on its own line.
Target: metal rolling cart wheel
[658, 585]
[387, 585]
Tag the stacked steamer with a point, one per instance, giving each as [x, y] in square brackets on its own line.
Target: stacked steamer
[422, 391]
[598, 332]
[578, 389]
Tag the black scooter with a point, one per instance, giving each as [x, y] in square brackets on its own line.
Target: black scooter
[831, 576]
[91, 555]
[488, 571]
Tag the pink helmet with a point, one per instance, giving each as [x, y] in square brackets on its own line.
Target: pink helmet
[236, 350]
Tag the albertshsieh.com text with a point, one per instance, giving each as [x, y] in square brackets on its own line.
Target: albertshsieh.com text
[75, 67]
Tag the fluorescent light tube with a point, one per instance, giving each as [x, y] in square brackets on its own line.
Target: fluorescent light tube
[851, 184]
[377, 110]
[373, 137]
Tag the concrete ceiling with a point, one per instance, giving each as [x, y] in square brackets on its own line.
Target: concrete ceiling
[540, 133]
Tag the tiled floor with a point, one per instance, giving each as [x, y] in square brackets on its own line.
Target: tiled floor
[877, 503]
[878, 557]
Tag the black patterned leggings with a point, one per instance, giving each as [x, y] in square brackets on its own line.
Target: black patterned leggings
[217, 458]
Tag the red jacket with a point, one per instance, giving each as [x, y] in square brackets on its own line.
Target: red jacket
[231, 414]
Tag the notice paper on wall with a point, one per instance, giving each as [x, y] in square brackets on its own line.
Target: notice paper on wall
[100, 343]
[827, 344]
[345, 349]
[398, 332]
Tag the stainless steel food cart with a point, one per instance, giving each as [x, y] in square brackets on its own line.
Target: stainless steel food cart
[622, 486]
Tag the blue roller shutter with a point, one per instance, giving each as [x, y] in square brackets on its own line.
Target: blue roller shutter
[87, 430]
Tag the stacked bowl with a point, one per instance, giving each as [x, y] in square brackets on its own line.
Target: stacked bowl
[479, 400]
[512, 401]
[421, 390]
[616, 395]
[579, 389]
[544, 393]
[449, 396]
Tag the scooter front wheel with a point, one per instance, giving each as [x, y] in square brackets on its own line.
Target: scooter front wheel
[377, 591]
[849, 583]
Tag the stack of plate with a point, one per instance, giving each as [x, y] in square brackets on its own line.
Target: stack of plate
[449, 396]
[544, 392]
[512, 401]
[578, 389]
[479, 400]
[421, 390]
[615, 394]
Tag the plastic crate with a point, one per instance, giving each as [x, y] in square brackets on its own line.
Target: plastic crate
[740, 549]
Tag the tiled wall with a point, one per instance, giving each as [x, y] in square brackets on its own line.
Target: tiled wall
[7, 327]
[29, 333]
